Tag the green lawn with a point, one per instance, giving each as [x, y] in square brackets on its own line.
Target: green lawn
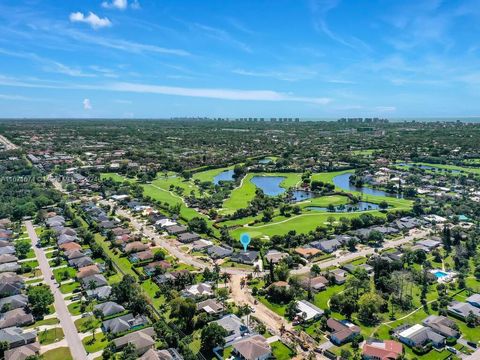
[50, 336]
[86, 324]
[68, 271]
[93, 345]
[69, 287]
[115, 177]
[51, 321]
[75, 308]
[62, 353]
[281, 351]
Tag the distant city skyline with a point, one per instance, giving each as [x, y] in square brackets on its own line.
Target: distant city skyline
[308, 59]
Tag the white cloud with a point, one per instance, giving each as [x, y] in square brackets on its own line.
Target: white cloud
[92, 19]
[385, 109]
[120, 4]
[115, 4]
[223, 94]
[87, 105]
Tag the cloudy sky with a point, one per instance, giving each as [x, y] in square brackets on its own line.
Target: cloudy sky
[306, 58]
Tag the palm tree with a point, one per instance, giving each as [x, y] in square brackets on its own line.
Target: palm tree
[226, 277]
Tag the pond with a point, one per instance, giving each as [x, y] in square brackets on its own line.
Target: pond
[360, 206]
[343, 182]
[265, 161]
[301, 195]
[226, 175]
[269, 184]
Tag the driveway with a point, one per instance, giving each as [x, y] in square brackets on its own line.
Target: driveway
[69, 329]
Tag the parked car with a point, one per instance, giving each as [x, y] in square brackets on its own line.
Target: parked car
[451, 349]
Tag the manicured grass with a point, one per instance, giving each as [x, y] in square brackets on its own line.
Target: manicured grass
[51, 321]
[209, 175]
[50, 336]
[62, 353]
[75, 308]
[150, 289]
[281, 352]
[165, 196]
[242, 195]
[87, 324]
[68, 271]
[321, 298]
[69, 287]
[277, 308]
[93, 345]
[301, 223]
[121, 261]
[176, 180]
[324, 201]
[231, 264]
[115, 177]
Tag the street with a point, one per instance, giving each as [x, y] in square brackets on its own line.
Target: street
[8, 144]
[71, 334]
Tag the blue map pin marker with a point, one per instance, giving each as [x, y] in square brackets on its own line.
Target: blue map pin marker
[245, 240]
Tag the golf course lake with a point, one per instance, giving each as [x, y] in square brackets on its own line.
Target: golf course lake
[270, 185]
[226, 175]
[360, 206]
[343, 182]
[301, 195]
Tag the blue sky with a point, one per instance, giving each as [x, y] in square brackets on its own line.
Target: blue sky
[306, 58]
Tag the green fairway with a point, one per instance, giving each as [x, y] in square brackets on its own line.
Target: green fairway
[301, 223]
[209, 175]
[242, 195]
[115, 177]
[168, 180]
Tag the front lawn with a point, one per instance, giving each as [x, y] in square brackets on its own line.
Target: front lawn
[50, 336]
[62, 353]
[98, 343]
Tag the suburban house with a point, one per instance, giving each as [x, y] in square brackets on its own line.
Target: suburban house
[10, 284]
[22, 352]
[100, 293]
[97, 280]
[109, 308]
[317, 283]
[339, 276]
[198, 290]
[15, 337]
[340, 332]
[245, 257]
[327, 246]
[307, 253]
[123, 323]
[419, 335]
[81, 262]
[141, 256]
[382, 350]
[474, 300]
[218, 252]
[254, 347]
[210, 306]
[165, 354]
[235, 328]
[275, 256]
[135, 247]
[15, 317]
[88, 271]
[307, 311]
[188, 237]
[14, 302]
[442, 325]
[176, 229]
[462, 309]
[150, 269]
[142, 340]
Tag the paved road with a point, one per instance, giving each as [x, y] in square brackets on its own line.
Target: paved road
[69, 329]
[415, 234]
[474, 356]
[172, 248]
[8, 144]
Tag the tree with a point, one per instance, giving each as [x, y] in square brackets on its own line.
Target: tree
[369, 306]
[291, 310]
[22, 248]
[4, 346]
[212, 335]
[184, 310]
[40, 298]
